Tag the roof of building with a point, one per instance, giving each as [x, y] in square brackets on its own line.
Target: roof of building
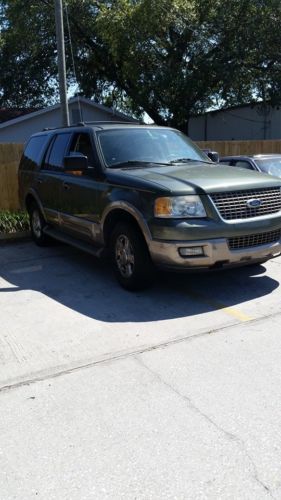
[28, 115]
[250, 105]
[7, 114]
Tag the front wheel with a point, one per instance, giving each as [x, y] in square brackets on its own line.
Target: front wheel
[130, 256]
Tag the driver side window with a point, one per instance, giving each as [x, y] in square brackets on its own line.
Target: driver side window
[81, 143]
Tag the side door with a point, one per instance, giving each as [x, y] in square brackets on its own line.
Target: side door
[79, 211]
[49, 178]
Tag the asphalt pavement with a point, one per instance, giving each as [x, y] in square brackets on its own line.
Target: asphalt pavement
[169, 393]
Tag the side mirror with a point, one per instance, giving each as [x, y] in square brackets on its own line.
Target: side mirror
[214, 156]
[75, 162]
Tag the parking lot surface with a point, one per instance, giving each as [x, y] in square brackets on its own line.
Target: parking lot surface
[173, 392]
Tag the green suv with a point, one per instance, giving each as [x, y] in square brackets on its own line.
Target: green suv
[150, 196]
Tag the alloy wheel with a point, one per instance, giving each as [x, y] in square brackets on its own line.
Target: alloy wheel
[124, 256]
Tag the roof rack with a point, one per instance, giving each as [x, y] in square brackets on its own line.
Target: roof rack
[97, 122]
[111, 122]
[64, 126]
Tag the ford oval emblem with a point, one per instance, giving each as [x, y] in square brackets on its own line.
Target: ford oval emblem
[254, 203]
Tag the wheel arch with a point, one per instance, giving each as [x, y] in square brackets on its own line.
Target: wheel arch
[32, 199]
[124, 212]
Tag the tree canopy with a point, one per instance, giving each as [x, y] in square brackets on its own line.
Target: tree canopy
[168, 58]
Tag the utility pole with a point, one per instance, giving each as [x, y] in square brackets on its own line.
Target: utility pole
[61, 63]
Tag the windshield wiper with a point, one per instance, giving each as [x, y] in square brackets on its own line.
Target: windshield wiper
[137, 163]
[187, 160]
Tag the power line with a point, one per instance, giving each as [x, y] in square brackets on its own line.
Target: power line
[61, 62]
[72, 58]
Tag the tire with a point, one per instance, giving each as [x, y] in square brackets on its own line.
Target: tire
[37, 224]
[130, 257]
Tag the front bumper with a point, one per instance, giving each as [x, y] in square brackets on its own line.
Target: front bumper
[216, 254]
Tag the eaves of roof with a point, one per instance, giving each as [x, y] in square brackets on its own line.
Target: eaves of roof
[49, 109]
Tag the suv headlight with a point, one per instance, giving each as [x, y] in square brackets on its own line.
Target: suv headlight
[179, 206]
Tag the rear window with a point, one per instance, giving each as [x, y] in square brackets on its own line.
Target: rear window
[33, 152]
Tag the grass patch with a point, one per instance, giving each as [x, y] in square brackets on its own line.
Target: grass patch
[12, 222]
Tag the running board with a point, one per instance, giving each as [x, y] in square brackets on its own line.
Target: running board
[82, 245]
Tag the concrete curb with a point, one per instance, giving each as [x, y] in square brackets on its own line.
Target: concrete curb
[13, 237]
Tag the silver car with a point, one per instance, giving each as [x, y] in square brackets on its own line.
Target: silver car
[266, 163]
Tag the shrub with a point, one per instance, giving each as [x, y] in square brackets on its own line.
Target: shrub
[11, 222]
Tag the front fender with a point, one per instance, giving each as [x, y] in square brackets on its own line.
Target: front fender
[131, 210]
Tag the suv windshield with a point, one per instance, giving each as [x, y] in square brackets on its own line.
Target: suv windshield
[147, 145]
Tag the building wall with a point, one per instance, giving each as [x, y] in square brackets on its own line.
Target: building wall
[244, 123]
[21, 131]
[91, 114]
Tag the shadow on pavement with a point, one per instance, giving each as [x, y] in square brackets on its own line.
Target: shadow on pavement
[86, 285]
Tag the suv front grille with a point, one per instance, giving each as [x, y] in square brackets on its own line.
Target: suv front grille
[233, 205]
[254, 240]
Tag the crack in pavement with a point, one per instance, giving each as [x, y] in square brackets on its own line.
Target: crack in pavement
[108, 357]
[229, 436]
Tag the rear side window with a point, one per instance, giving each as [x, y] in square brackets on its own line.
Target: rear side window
[56, 154]
[33, 152]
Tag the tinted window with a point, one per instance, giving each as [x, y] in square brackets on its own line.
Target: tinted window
[244, 164]
[33, 151]
[57, 153]
[81, 143]
[225, 162]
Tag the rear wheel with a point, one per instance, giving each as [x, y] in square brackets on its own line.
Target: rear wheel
[130, 256]
[37, 224]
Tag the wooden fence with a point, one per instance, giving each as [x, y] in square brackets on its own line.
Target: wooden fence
[226, 148]
[9, 160]
[10, 155]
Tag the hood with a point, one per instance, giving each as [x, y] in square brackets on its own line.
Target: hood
[192, 178]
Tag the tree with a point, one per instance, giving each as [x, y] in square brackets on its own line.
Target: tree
[168, 58]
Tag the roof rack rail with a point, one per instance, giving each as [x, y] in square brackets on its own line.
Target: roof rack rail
[111, 122]
[65, 126]
[97, 122]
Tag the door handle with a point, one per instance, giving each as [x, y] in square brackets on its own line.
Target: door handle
[39, 181]
[66, 186]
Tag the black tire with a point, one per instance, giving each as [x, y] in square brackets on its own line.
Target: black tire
[37, 224]
[130, 257]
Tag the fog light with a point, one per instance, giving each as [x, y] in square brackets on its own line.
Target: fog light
[191, 251]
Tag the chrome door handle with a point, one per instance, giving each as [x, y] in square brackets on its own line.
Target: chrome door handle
[66, 186]
[39, 181]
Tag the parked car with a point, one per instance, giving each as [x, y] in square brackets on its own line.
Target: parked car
[148, 195]
[266, 163]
